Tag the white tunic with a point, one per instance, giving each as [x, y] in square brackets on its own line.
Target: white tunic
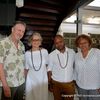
[88, 69]
[36, 82]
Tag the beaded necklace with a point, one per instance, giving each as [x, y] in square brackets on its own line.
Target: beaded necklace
[33, 63]
[63, 67]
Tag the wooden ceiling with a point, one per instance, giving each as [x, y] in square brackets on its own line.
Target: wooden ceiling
[45, 16]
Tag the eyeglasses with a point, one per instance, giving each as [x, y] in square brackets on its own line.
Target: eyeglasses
[36, 40]
[83, 43]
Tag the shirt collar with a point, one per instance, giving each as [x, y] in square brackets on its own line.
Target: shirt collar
[58, 52]
[19, 43]
[80, 53]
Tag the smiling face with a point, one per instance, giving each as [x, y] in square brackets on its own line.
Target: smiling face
[36, 41]
[84, 44]
[18, 31]
[59, 43]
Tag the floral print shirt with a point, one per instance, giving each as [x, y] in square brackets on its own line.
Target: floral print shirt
[13, 62]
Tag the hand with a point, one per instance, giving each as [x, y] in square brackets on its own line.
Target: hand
[50, 87]
[98, 90]
[7, 91]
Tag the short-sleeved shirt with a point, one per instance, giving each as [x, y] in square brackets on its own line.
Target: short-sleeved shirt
[13, 62]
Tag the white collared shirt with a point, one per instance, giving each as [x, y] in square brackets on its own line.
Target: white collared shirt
[60, 74]
[88, 69]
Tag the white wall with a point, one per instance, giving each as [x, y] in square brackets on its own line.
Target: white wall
[71, 28]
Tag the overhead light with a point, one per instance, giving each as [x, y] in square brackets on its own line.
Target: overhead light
[71, 19]
[94, 20]
[95, 3]
[19, 3]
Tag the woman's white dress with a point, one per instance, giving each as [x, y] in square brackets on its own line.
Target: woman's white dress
[36, 81]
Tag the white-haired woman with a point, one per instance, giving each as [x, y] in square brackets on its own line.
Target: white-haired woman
[36, 68]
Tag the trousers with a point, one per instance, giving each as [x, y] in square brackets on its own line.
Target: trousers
[60, 89]
[16, 93]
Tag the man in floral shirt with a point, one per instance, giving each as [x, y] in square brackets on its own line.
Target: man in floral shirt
[12, 77]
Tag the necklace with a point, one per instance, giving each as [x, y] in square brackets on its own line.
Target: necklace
[60, 61]
[33, 63]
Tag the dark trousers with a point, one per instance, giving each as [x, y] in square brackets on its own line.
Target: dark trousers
[17, 93]
[60, 89]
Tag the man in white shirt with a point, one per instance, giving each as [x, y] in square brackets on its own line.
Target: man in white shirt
[60, 72]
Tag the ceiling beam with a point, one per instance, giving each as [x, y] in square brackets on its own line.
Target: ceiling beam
[38, 16]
